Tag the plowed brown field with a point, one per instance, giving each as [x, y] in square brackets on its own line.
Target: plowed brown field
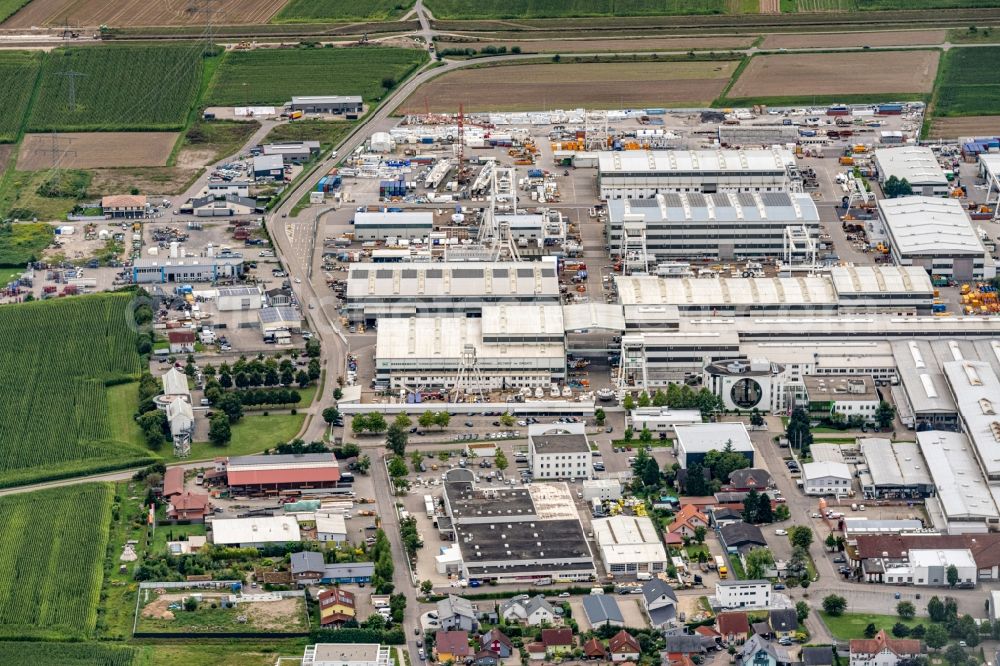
[971, 126]
[89, 150]
[596, 85]
[804, 40]
[119, 13]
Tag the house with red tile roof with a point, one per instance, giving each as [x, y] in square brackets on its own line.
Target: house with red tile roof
[593, 649]
[557, 641]
[687, 520]
[452, 645]
[733, 627]
[188, 506]
[623, 646]
[882, 650]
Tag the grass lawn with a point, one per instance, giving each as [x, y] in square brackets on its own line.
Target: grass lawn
[46, 195]
[253, 434]
[693, 550]
[123, 401]
[8, 274]
[222, 137]
[202, 653]
[328, 132]
[736, 568]
[118, 592]
[165, 533]
[852, 625]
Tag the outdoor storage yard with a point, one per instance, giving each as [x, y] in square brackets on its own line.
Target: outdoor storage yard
[600, 85]
[137, 12]
[87, 150]
[803, 75]
[841, 40]
[214, 613]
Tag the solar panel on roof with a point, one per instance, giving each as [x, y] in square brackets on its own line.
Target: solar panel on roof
[776, 199]
[696, 200]
[672, 199]
[408, 274]
[745, 199]
[462, 273]
[643, 203]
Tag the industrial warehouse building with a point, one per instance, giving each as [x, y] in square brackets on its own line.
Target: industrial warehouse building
[853, 289]
[937, 235]
[634, 174]
[327, 104]
[379, 291]
[509, 347]
[695, 441]
[757, 135]
[725, 225]
[963, 501]
[380, 226]
[196, 269]
[268, 167]
[239, 298]
[295, 152]
[520, 534]
[917, 165]
[629, 545]
[893, 470]
[257, 474]
[559, 451]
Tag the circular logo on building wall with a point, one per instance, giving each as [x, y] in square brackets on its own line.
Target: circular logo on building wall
[746, 393]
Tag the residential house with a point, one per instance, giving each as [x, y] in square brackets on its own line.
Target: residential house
[677, 643]
[532, 611]
[173, 482]
[457, 613]
[451, 646]
[557, 641]
[181, 341]
[349, 572]
[188, 506]
[734, 627]
[307, 567]
[660, 602]
[709, 634]
[784, 622]
[758, 651]
[536, 651]
[743, 593]
[593, 649]
[882, 650]
[671, 659]
[497, 642]
[672, 540]
[817, 655]
[762, 629]
[623, 646]
[602, 609]
[741, 538]
[749, 479]
[687, 520]
[723, 515]
[336, 607]
[486, 658]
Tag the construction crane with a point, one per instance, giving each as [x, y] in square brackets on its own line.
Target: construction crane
[463, 172]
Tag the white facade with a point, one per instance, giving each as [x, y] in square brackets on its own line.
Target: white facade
[380, 226]
[826, 478]
[695, 441]
[930, 567]
[601, 489]
[239, 298]
[255, 532]
[743, 593]
[629, 545]
[917, 165]
[662, 419]
[643, 174]
[180, 416]
[331, 527]
[559, 451]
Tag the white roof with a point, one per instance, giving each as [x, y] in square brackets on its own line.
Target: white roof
[313, 99]
[625, 539]
[408, 218]
[725, 292]
[602, 483]
[667, 414]
[175, 382]
[929, 226]
[260, 529]
[687, 161]
[916, 164]
[704, 437]
[977, 393]
[238, 291]
[926, 557]
[268, 162]
[522, 320]
[452, 279]
[958, 481]
[443, 339]
[331, 523]
[825, 469]
[894, 464]
[584, 316]
[855, 280]
[990, 162]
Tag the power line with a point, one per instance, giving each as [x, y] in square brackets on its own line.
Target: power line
[72, 76]
[57, 152]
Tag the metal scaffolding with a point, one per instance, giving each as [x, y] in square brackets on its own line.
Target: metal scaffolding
[633, 372]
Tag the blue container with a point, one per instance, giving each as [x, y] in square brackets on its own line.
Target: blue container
[655, 112]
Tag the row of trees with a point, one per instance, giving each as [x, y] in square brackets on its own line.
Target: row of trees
[677, 396]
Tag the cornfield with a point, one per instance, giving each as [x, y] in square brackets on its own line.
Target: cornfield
[23, 653]
[57, 357]
[52, 557]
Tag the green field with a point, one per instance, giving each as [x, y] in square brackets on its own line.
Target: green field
[924, 4]
[51, 558]
[852, 625]
[120, 87]
[327, 133]
[18, 71]
[46, 195]
[967, 83]
[8, 8]
[22, 653]
[21, 242]
[54, 414]
[342, 10]
[486, 9]
[273, 76]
